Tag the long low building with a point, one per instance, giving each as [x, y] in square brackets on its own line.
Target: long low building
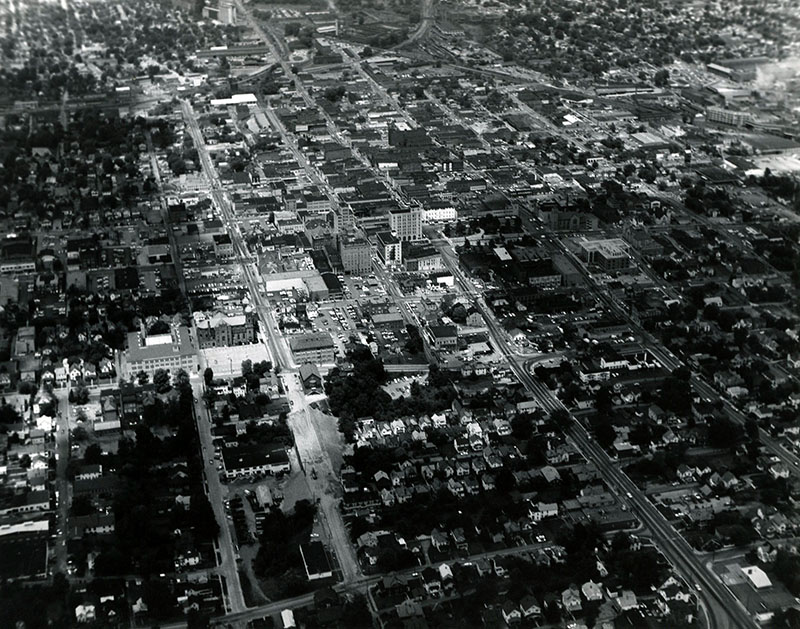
[171, 351]
[241, 461]
[313, 348]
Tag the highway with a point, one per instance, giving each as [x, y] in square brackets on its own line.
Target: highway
[724, 610]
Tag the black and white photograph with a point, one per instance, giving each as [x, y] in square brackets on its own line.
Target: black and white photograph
[399, 314]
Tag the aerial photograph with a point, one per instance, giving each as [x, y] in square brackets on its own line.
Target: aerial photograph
[400, 314]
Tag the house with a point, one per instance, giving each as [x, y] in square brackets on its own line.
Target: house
[685, 473]
[445, 572]
[626, 601]
[439, 540]
[431, 581]
[474, 318]
[729, 480]
[592, 591]
[530, 607]
[571, 600]
[310, 377]
[543, 510]
[511, 612]
[779, 470]
[85, 613]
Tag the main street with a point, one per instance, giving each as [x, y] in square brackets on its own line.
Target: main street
[723, 608]
[310, 449]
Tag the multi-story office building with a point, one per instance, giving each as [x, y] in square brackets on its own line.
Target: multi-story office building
[356, 255]
[406, 223]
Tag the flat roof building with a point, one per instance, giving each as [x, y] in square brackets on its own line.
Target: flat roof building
[314, 348]
[171, 351]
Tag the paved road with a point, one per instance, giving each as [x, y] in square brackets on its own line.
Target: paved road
[426, 21]
[226, 564]
[309, 446]
[723, 608]
[63, 486]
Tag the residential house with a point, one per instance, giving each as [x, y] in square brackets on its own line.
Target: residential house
[571, 600]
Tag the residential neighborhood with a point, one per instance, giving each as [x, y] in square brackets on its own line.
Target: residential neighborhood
[399, 314]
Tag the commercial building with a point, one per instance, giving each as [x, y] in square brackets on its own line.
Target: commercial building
[610, 254]
[171, 351]
[242, 461]
[406, 223]
[421, 259]
[23, 549]
[443, 336]
[314, 348]
[223, 11]
[389, 248]
[729, 117]
[315, 561]
[356, 255]
[220, 330]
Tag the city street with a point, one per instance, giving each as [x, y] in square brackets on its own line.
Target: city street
[226, 556]
[724, 610]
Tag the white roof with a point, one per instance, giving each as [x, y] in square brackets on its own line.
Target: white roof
[757, 577]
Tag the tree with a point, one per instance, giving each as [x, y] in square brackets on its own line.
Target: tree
[247, 367]
[9, 414]
[561, 418]
[605, 434]
[79, 394]
[79, 433]
[161, 380]
[82, 505]
[603, 400]
[262, 367]
[202, 517]
[208, 376]
[661, 78]
[142, 378]
[522, 427]
[93, 454]
[183, 383]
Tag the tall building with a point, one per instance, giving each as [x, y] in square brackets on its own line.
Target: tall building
[356, 255]
[406, 223]
[389, 247]
[728, 116]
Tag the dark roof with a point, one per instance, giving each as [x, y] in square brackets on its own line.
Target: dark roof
[307, 370]
[249, 456]
[305, 342]
[22, 556]
[444, 331]
[315, 559]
